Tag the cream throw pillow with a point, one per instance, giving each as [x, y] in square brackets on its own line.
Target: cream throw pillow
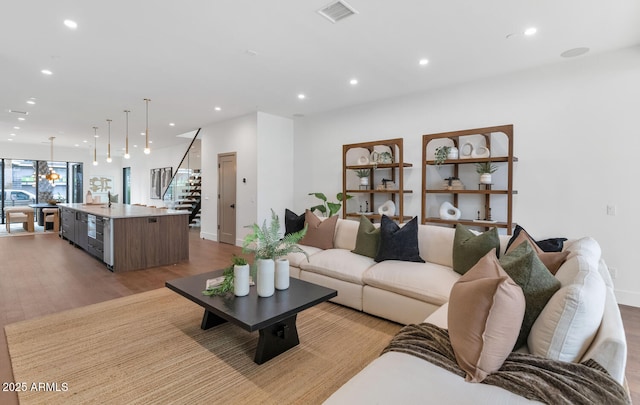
[486, 309]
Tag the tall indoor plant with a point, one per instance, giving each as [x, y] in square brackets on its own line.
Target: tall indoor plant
[328, 208]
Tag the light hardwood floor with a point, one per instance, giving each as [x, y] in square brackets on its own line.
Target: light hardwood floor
[44, 274]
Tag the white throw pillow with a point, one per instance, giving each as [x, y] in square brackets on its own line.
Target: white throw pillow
[570, 320]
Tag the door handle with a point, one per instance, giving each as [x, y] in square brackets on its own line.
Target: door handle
[233, 206]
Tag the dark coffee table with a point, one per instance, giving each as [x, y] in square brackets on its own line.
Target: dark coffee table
[274, 317]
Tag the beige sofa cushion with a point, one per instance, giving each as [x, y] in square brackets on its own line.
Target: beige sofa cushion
[295, 259]
[486, 311]
[346, 233]
[570, 320]
[436, 244]
[427, 282]
[340, 264]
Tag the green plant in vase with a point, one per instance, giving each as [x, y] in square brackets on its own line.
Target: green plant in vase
[441, 154]
[227, 283]
[485, 169]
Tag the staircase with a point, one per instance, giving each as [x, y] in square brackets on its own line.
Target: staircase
[189, 196]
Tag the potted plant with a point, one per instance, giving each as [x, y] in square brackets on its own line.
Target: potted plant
[363, 175]
[329, 207]
[230, 279]
[485, 169]
[443, 153]
[268, 244]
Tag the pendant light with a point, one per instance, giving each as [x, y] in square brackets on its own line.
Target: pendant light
[126, 141]
[109, 141]
[146, 132]
[52, 176]
[95, 146]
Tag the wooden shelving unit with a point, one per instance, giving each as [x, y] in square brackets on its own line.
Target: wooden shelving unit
[395, 172]
[506, 161]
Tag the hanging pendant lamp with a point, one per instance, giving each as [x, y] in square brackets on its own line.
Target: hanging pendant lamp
[95, 146]
[52, 176]
[109, 141]
[146, 132]
[126, 141]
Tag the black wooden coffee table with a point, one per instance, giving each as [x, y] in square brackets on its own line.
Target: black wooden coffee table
[274, 317]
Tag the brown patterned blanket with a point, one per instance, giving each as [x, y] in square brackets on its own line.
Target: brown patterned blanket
[532, 377]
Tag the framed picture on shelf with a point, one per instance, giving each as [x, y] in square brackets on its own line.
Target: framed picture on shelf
[160, 179]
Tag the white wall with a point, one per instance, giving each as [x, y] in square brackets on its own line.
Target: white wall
[236, 135]
[576, 130]
[264, 151]
[275, 163]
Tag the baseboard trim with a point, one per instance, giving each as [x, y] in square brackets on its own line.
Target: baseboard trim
[209, 236]
[630, 298]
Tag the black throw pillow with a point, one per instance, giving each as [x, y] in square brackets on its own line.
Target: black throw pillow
[398, 243]
[547, 245]
[292, 222]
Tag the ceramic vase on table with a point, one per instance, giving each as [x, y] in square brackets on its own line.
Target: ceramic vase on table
[266, 277]
[282, 274]
[241, 280]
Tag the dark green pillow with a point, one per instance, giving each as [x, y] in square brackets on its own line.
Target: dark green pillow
[538, 284]
[368, 238]
[468, 247]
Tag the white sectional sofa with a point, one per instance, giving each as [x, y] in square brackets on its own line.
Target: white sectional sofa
[581, 320]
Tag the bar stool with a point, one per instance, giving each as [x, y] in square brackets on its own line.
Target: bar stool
[51, 215]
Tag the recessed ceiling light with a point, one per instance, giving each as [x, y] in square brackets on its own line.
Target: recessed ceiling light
[353, 82]
[31, 102]
[530, 31]
[9, 139]
[16, 127]
[21, 118]
[71, 24]
[85, 141]
[96, 136]
[172, 124]
[572, 53]
[135, 146]
[423, 62]
[301, 96]
[76, 145]
[46, 72]
[217, 108]
[12, 134]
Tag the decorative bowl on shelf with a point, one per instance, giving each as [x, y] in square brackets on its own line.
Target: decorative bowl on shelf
[52, 202]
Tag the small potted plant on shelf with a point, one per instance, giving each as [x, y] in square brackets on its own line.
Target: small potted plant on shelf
[485, 169]
[363, 175]
[443, 153]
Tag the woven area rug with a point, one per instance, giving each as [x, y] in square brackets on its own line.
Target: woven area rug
[149, 348]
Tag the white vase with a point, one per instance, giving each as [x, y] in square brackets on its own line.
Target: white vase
[449, 212]
[241, 280]
[282, 274]
[364, 181]
[266, 278]
[453, 153]
[485, 178]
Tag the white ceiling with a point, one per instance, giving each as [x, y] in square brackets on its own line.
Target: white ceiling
[190, 56]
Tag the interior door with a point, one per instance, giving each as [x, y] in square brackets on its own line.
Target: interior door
[227, 198]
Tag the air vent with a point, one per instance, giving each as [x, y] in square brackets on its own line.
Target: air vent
[337, 11]
[18, 112]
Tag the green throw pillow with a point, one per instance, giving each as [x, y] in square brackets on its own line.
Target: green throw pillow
[468, 247]
[368, 238]
[538, 284]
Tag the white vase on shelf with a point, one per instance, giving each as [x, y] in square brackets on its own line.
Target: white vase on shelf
[485, 178]
[282, 274]
[265, 284]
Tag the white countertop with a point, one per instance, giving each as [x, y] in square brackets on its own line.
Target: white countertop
[122, 210]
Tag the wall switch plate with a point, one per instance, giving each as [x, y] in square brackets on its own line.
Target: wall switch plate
[611, 209]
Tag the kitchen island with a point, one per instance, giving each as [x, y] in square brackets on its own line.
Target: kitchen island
[127, 237]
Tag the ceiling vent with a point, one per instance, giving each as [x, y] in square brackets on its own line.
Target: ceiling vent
[337, 11]
[18, 112]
